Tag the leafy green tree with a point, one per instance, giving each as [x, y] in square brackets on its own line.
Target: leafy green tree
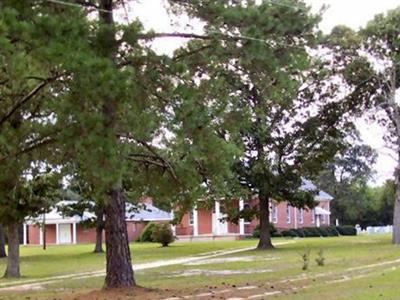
[130, 118]
[28, 85]
[29, 198]
[369, 67]
[286, 128]
[346, 179]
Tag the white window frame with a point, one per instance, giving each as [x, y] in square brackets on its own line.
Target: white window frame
[313, 216]
[301, 215]
[274, 213]
[288, 214]
[191, 218]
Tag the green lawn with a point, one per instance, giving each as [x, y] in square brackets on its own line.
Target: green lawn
[60, 260]
[363, 267]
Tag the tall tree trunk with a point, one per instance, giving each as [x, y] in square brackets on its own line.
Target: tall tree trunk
[265, 235]
[119, 272]
[12, 270]
[99, 231]
[2, 243]
[396, 213]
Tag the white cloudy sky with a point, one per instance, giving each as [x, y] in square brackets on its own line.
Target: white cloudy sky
[353, 13]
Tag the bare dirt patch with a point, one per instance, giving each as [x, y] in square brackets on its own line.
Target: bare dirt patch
[223, 260]
[197, 272]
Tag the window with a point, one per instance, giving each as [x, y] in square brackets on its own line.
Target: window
[323, 217]
[247, 208]
[274, 213]
[301, 216]
[191, 218]
[288, 214]
[313, 216]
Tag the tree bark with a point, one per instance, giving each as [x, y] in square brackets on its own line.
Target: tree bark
[265, 235]
[99, 232]
[119, 272]
[12, 270]
[396, 213]
[2, 243]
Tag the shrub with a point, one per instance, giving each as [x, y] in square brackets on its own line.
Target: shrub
[332, 231]
[272, 230]
[311, 232]
[147, 233]
[306, 259]
[163, 234]
[322, 231]
[299, 232]
[346, 230]
[289, 233]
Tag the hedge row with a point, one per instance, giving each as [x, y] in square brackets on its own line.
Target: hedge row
[272, 230]
[320, 231]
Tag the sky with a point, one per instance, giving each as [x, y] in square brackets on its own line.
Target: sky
[353, 13]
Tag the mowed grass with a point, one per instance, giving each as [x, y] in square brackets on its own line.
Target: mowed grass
[362, 267]
[60, 260]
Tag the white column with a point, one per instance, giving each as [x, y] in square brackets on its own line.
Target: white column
[24, 234]
[73, 233]
[241, 221]
[318, 220]
[57, 233]
[217, 217]
[173, 227]
[195, 222]
[270, 206]
[41, 234]
[295, 217]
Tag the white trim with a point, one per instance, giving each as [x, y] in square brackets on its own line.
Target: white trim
[241, 221]
[217, 217]
[74, 233]
[275, 213]
[57, 234]
[191, 217]
[195, 222]
[313, 216]
[24, 234]
[173, 227]
[288, 214]
[295, 217]
[41, 234]
[301, 215]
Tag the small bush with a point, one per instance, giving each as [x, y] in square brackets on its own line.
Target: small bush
[322, 231]
[289, 233]
[299, 232]
[311, 232]
[306, 259]
[163, 234]
[147, 233]
[272, 230]
[320, 260]
[332, 231]
[346, 230]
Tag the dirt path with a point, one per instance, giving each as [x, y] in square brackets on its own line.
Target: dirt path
[38, 284]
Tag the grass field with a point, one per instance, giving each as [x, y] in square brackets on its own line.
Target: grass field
[363, 267]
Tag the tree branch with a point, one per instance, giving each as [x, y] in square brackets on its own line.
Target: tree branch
[25, 99]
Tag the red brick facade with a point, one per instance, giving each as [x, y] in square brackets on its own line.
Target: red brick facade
[281, 215]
